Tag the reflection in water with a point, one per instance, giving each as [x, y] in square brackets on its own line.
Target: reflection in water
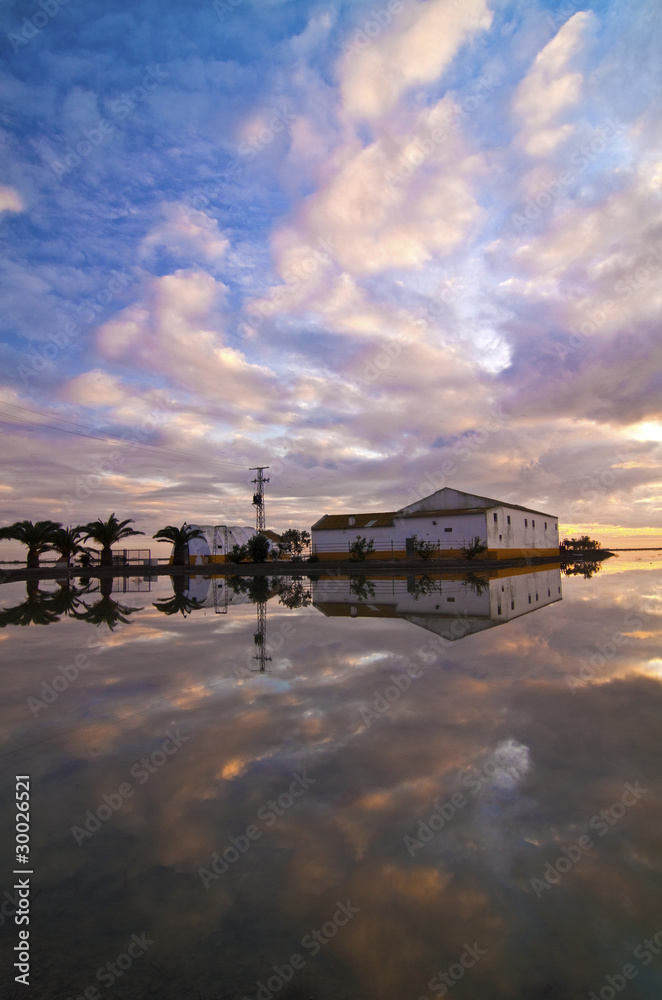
[180, 602]
[105, 611]
[383, 806]
[43, 607]
[451, 606]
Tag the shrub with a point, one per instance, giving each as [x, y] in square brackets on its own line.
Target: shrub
[476, 548]
[361, 548]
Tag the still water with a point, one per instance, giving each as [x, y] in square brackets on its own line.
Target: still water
[376, 789]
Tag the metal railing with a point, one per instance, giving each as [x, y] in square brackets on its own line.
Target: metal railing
[395, 548]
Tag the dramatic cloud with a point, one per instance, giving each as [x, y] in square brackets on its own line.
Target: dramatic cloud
[381, 248]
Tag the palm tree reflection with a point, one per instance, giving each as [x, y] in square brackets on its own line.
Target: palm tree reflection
[105, 611]
[180, 602]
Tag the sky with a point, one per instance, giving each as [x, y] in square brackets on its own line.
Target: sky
[380, 248]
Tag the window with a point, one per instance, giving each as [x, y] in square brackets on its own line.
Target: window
[508, 519]
[434, 522]
[512, 605]
[500, 537]
[549, 593]
[448, 529]
[495, 519]
[498, 609]
[536, 597]
[451, 599]
[556, 526]
[533, 524]
[352, 519]
[526, 522]
[529, 598]
[545, 525]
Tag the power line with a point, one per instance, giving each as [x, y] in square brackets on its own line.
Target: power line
[107, 438]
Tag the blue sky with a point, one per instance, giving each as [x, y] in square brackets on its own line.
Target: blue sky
[379, 248]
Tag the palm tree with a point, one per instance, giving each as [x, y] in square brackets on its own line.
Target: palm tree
[66, 541]
[180, 537]
[38, 537]
[108, 533]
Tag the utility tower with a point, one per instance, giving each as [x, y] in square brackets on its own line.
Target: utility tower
[258, 497]
[260, 637]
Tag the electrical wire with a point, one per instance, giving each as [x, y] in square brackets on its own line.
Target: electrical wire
[107, 438]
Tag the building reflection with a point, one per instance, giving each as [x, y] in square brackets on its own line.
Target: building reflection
[450, 605]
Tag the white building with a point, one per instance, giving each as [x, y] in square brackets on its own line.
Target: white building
[217, 542]
[448, 518]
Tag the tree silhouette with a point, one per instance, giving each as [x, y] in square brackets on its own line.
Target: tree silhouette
[66, 542]
[109, 533]
[180, 537]
[38, 537]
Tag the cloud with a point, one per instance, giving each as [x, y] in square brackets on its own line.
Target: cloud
[10, 200]
[185, 232]
[415, 48]
[551, 89]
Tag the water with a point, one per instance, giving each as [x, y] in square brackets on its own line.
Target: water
[396, 795]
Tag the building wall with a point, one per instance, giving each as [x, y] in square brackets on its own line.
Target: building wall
[334, 543]
[526, 531]
[463, 529]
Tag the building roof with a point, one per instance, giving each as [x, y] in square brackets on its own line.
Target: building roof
[384, 519]
[442, 513]
[341, 521]
[448, 493]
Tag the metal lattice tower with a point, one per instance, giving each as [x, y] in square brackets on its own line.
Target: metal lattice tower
[260, 637]
[258, 497]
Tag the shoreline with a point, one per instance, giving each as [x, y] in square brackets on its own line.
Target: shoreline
[368, 568]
